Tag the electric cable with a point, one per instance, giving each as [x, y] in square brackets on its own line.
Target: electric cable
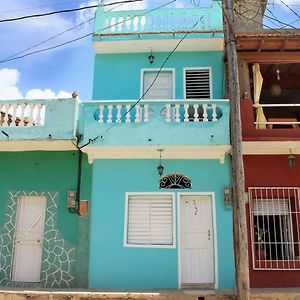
[55, 36]
[65, 11]
[144, 94]
[86, 35]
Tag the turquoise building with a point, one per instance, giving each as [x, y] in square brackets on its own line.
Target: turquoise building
[132, 189]
[43, 240]
[157, 137]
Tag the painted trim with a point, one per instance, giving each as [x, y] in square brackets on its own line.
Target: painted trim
[209, 68]
[158, 45]
[125, 244]
[271, 147]
[143, 70]
[213, 206]
[150, 152]
[36, 145]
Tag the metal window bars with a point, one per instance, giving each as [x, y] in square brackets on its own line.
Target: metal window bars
[274, 227]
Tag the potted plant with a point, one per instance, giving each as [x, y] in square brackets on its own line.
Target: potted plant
[260, 251]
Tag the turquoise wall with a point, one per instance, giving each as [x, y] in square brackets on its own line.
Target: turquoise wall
[51, 174]
[118, 76]
[113, 266]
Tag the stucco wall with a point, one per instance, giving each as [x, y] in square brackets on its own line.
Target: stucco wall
[273, 172]
[51, 174]
[114, 266]
[118, 76]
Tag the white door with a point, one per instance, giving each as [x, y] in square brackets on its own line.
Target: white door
[28, 239]
[197, 259]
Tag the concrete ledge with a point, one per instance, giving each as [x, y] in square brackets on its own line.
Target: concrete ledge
[256, 294]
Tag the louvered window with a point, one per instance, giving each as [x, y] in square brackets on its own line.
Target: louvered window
[198, 83]
[162, 88]
[150, 220]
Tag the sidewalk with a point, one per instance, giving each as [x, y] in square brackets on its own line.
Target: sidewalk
[256, 294]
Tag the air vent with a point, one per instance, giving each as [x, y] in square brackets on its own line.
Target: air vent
[197, 84]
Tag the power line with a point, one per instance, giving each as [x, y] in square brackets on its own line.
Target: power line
[47, 40]
[86, 35]
[35, 7]
[144, 94]
[55, 36]
[290, 9]
[65, 11]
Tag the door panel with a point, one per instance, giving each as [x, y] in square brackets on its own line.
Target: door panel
[197, 260]
[28, 239]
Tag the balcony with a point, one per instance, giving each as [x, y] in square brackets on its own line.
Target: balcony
[282, 123]
[47, 120]
[113, 29]
[156, 123]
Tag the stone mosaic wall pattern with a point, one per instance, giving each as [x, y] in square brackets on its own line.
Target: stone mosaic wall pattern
[59, 257]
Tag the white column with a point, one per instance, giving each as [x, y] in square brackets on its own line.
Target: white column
[196, 115]
[214, 114]
[128, 117]
[186, 112]
[205, 115]
[109, 116]
[168, 112]
[146, 113]
[101, 113]
[177, 114]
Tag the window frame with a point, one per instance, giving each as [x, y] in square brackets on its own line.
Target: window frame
[145, 70]
[256, 194]
[126, 244]
[209, 68]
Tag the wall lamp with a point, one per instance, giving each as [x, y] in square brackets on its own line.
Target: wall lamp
[160, 168]
[151, 58]
[291, 160]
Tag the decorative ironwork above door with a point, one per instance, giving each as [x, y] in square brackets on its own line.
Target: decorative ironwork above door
[175, 181]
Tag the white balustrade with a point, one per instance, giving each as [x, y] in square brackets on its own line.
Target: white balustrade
[128, 113]
[186, 112]
[22, 114]
[170, 112]
[132, 22]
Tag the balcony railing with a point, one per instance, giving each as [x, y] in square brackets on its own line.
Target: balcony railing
[37, 119]
[281, 123]
[289, 122]
[158, 21]
[167, 122]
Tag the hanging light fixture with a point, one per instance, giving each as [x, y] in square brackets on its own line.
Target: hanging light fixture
[291, 160]
[278, 73]
[160, 168]
[151, 58]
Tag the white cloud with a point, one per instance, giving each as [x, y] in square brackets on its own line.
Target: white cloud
[9, 89]
[46, 94]
[9, 79]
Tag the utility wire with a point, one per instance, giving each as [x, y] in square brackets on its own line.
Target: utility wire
[86, 35]
[35, 7]
[292, 10]
[144, 94]
[45, 41]
[65, 11]
[55, 36]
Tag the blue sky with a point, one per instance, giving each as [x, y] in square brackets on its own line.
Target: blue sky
[57, 73]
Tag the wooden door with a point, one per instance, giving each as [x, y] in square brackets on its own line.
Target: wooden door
[28, 239]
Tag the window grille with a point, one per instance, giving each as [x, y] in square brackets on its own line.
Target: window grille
[275, 227]
[150, 220]
[198, 84]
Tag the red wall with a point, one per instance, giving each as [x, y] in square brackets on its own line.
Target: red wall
[250, 133]
[268, 171]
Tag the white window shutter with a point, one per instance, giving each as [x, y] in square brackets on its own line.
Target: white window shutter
[162, 88]
[150, 220]
[197, 84]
